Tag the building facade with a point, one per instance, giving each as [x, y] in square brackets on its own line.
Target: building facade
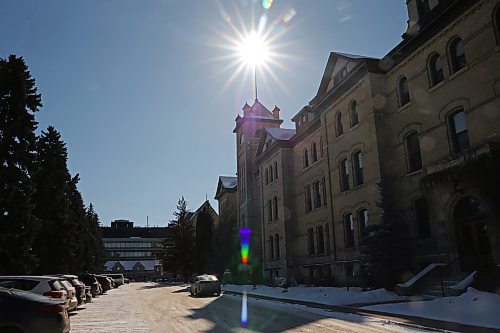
[412, 137]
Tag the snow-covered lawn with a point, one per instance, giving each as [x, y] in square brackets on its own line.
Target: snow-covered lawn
[473, 308]
[322, 295]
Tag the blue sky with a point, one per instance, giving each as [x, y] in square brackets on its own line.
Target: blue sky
[143, 104]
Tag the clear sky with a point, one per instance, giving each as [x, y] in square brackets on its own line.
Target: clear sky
[141, 91]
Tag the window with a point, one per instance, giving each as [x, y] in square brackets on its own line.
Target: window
[457, 55]
[316, 194]
[436, 74]
[353, 111]
[320, 239]
[404, 93]
[310, 241]
[271, 173]
[241, 138]
[314, 152]
[307, 195]
[344, 175]
[496, 23]
[422, 218]
[267, 176]
[277, 245]
[321, 147]
[362, 221]
[306, 158]
[271, 247]
[459, 132]
[349, 230]
[357, 160]
[323, 189]
[340, 125]
[269, 210]
[327, 233]
[275, 207]
[413, 152]
[275, 170]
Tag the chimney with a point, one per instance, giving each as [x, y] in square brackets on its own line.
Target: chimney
[276, 112]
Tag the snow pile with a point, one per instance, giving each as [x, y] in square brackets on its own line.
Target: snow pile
[417, 277]
[322, 295]
[471, 308]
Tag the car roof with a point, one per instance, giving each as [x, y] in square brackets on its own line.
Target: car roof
[29, 296]
[30, 277]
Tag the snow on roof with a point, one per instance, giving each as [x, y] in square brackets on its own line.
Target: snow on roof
[128, 265]
[228, 181]
[281, 133]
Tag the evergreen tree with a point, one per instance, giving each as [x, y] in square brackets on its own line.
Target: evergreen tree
[77, 214]
[204, 237]
[93, 249]
[55, 243]
[179, 248]
[18, 103]
[225, 247]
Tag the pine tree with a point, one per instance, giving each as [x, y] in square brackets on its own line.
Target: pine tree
[93, 249]
[55, 243]
[77, 214]
[18, 103]
[179, 247]
[204, 237]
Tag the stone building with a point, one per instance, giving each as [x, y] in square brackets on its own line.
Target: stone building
[414, 135]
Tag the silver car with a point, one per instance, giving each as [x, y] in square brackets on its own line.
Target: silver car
[205, 285]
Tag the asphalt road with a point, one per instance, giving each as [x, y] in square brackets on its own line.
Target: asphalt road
[172, 309]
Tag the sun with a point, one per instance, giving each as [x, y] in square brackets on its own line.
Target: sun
[253, 49]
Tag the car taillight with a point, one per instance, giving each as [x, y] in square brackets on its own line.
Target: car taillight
[52, 308]
[54, 294]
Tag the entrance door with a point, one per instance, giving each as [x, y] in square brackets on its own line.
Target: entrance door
[473, 242]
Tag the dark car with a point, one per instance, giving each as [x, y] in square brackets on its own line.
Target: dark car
[23, 311]
[205, 285]
[78, 285]
[105, 282]
[91, 281]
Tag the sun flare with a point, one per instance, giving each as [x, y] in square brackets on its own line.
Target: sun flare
[254, 50]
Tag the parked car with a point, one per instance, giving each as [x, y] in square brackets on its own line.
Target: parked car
[205, 284]
[126, 280]
[77, 284]
[42, 285]
[26, 312]
[92, 282]
[105, 282]
[119, 279]
[72, 300]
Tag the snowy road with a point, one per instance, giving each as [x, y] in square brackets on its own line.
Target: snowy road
[156, 308]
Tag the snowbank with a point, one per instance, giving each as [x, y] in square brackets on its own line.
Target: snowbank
[473, 308]
[322, 295]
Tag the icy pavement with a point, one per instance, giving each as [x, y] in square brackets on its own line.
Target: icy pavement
[114, 312]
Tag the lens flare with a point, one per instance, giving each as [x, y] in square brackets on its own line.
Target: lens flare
[245, 244]
[266, 4]
[244, 313]
[253, 49]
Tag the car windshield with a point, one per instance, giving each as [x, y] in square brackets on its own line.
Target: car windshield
[207, 278]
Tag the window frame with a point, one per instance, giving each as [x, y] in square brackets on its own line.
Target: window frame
[362, 222]
[314, 152]
[434, 80]
[456, 64]
[348, 230]
[339, 125]
[454, 136]
[316, 194]
[353, 114]
[305, 157]
[275, 208]
[404, 96]
[308, 198]
[357, 166]
[320, 239]
[344, 175]
[410, 160]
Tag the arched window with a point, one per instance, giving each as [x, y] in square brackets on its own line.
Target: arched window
[340, 125]
[404, 92]
[275, 207]
[320, 239]
[414, 159]
[348, 230]
[267, 176]
[275, 170]
[459, 131]
[306, 158]
[271, 173]
[496, 23]
[344, 175]
[316, 194]
[357, 161]
[271, 247]
[277, 245]
[436, 74]
[457, 55]
[307, 196]
[353, 112]
[310, 241]
[269, 210]
[314, 152]
[362, 221]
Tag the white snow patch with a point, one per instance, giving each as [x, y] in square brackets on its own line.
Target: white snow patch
[420, 275]
[465, 282]
[471, 308]
[321, 295]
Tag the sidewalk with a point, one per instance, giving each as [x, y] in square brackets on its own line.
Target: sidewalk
[403, 319]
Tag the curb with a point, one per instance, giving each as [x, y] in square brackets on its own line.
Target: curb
[404, 320]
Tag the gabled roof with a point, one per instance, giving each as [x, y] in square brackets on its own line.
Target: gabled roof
[128, 265]
[372, 64]
[258, 110]
[281, 134]
[226, 184]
